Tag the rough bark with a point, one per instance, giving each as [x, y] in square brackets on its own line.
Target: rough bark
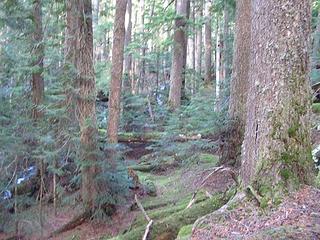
[116, 71]
[37, 80]
[276, 152]
[86, 110]
[178, 60]
[208, 47]
[239, 85]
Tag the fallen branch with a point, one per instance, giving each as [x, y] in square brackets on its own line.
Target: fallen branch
[217, 169]
[150, 221]
[141, 208]
[146, 233]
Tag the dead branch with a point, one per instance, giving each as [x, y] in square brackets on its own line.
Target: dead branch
[150, 221]
[216, 169]
[141, 208]
[146, 233]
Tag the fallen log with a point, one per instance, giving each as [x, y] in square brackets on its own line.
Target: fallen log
[171, 225]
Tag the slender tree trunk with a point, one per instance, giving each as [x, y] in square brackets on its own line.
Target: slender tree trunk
[276, 152]
[116, 71]
[194, 42]
[95, 22]
[178, 61]
[37, 79]
[239, 85]
[199, 45]
[86, 109]
[142, 65]
[218, 69]
[208, 46]
[185, 52]
[226, 58]
[128, 56]
[315, 59]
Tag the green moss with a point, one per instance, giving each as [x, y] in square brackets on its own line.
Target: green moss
[316, 108]
[208, 158]
[285, 174]
[292, 131]
[185, 232]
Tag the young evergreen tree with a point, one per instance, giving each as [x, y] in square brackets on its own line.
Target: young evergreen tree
[116, 71]
[276, 152]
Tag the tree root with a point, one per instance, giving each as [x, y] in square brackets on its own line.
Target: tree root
[221, 212]
[76, 221]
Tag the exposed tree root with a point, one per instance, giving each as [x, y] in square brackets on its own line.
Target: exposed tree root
[76, 221]
[221, 212]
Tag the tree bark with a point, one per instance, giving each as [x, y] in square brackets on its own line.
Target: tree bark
[178, 60]
[199, 44]
[116, 71]
[128, 56]
[37, 79]
[86, 110]
[208, 46]
[239, 85]
[276, 152]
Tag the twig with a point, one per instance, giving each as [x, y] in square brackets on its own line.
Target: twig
[193, 199]
[147, 230]
[141, 208]
[150, 221]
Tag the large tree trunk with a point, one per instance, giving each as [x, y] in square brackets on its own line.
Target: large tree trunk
[37, 80]
[276, 152]
[86, 110]
[178, 60]
[208, 46]
[116, 71]
[239, 84]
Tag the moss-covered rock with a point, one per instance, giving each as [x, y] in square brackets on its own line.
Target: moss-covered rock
[185, 232]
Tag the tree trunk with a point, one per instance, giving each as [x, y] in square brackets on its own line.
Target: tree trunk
[116, 71]
[128, 56]
[239, 85]
[218, 67]
[208, 46]
[185, 52]
[178, 60]
[95, 22]
[276, 152]
[37, 80]
[199, 45]
[86, 110]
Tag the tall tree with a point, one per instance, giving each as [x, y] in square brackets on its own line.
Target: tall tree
[239, 84]
[208, 45]
[37, 79]
[276, 152]
[116, 71]
[199, 15]
[86, 109]
[178, 60]
[128, 56]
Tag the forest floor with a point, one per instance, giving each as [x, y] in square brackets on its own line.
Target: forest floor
[297, 217]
